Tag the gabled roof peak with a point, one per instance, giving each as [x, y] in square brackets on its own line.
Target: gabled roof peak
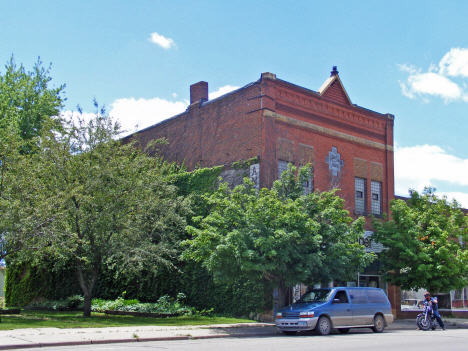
[333, 89]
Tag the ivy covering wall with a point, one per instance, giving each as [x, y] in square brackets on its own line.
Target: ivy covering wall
[25, 284]
[53, 280]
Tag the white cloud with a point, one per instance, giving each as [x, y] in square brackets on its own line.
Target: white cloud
[431, 83]
[165, 43]
[422, 165]
[462, 198]
[455, 63]
[435, 81]
[221, 91]
[138, 114]
[135, 115]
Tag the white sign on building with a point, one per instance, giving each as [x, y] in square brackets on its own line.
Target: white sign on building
[255, 175]
[369, 244]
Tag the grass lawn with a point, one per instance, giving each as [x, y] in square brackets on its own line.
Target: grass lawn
[56, 319]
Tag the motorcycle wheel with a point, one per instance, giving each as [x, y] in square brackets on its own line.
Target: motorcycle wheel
[425, 323]
[418, 320]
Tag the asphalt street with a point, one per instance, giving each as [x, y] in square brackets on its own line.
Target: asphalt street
[358, 340]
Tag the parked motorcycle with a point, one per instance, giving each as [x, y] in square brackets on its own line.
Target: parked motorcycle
[426, 320]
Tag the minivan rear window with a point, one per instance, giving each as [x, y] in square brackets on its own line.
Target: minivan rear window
[376, 296]
[357, 296]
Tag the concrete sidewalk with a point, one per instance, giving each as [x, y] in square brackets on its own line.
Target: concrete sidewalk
[46, 337]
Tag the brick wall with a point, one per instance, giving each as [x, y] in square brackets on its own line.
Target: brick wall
[212, 133]
[277, 120]
[302, 117]
[336, 94]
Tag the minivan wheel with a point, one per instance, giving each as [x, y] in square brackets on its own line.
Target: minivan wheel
[343, 330]
[289, 332]
[379, 324]
[323, 326]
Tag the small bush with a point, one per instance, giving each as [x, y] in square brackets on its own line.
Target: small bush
[73, 302]
[165, 304]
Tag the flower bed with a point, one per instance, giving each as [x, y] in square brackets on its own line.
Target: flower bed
[164, 307]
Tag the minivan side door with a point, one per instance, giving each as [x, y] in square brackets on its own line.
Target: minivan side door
[360, 306]
[341, 312]
[378, 301]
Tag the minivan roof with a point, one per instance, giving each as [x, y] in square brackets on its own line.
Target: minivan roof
[345, 287]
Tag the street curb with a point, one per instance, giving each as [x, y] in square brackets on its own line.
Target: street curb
[120, 341]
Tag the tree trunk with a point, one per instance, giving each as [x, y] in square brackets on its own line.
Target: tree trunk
[87, 306]
[87, 289]
[282, 294]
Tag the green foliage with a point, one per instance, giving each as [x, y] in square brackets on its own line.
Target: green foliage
[26, 282]
[277, 236]
[425, 243]
[165, 304]
[10, 144]
[85, 198]
[70, 303]
[200, 181]
[290, 185]
[21, 288]
[27, 104]
[244, 164]
[55, 282]
[237, 298]
[193, 185]
[53, 276]
[27, 100]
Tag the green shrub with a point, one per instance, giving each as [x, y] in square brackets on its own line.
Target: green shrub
[73, 302]
[165, 304]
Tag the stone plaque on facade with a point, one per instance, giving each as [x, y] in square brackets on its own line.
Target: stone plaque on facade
[334, 161]
[255, 175]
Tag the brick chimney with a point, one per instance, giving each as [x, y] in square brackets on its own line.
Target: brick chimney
[198, 92]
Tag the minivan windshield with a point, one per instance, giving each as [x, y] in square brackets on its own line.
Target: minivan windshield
[316, 295]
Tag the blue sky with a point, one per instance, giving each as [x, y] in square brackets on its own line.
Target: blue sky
[140, 57]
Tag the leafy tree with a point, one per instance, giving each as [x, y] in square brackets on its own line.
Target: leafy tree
[27, 100]
[10, 143]
[86, 197]
[267, 235]
[425, 243]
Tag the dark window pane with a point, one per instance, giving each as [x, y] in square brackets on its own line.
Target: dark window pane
[376, 296]
[357, 296]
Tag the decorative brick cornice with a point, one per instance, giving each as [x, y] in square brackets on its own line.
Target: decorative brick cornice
[326, 131]
[332, 109]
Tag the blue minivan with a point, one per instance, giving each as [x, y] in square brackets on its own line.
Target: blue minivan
[341, 308]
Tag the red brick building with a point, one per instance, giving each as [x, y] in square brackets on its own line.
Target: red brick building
[277, 122]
